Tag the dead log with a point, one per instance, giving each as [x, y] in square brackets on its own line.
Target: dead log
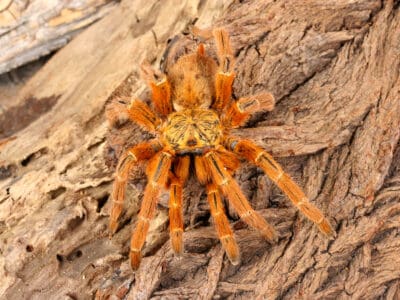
[32, 29]
[334, 70]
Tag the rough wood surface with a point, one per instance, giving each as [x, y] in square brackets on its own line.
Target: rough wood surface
[334, 69]
[32, 29]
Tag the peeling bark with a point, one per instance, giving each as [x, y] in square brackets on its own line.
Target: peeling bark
[334, 70]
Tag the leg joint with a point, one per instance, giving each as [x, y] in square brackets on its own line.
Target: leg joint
[222, 237]
[279, 177]
[302, 202]
[246, 214]
[117, 201]
[144, 219]
[132, 155]
[121, 178]
[213, 191]
[162, 81]
[224, 181]
[259, 155]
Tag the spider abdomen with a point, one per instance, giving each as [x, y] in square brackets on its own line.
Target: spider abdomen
[192, 130]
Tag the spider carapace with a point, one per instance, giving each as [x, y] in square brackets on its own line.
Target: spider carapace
[193, 131]
[193, 112]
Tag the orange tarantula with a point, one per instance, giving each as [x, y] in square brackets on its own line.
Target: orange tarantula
[192, 117]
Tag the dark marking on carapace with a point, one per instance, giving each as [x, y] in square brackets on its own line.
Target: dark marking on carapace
[191, 142]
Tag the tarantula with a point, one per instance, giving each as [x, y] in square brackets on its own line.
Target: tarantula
[193, 114]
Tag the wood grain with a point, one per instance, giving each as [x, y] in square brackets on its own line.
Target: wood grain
[334, 70]
[32, 29]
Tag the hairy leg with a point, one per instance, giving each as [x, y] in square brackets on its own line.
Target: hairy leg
[240, 111]
[231, 190]
[137, 111]
[127, 161]
[178, 179]
[157, 174]
[117, 111]
[160, 87]
[142, 114]
[225, 76]
[261, 158]
[224, 231]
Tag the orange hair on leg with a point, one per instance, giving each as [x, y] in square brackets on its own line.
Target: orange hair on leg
[160, 88]
[141, 113]
[261, 158]
[240, 111]
[157, 174]
[231, 190]
[222, 226]
[225, 76]
[181, 170]
[128, 160]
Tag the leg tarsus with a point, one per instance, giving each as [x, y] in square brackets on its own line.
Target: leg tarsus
[256, 103]
[240, 111]
[117, 111]
[224, 231]
[176, 217]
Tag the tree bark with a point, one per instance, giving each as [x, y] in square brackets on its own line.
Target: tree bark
[334, 70]
[32, 29]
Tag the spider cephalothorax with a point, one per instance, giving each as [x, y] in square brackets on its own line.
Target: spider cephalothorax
[192, 117]
[192, 130]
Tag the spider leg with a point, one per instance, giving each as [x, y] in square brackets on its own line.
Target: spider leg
[116, 111]
[261, 158]
[157, 174]
[142, 114]
[160, 87]
[181, 170]
[225, 76]
[231, 190]
[222, 224]
[138, 112]
[240, 111]
[127, 161]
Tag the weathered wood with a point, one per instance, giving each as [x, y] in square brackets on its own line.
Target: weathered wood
[334, 70]
[32, 29]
